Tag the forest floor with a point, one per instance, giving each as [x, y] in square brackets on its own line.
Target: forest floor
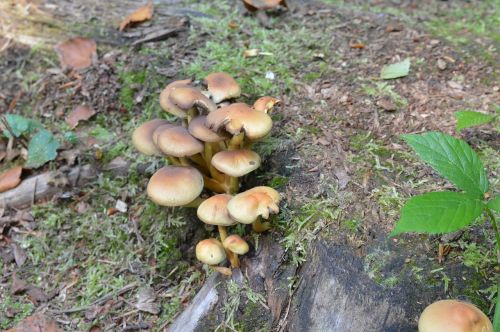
[335, 153]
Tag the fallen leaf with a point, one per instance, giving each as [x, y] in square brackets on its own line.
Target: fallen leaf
[441, 64]
[19, 254]
[41, 149]
[146, 301]
[80, 113]
[357, 45]
[254, 5]
[77, 53]
[387, 104]
[10, 179]
[37, 295]
[395, 70]
[18, 285]
[36, 322]
[141, 14]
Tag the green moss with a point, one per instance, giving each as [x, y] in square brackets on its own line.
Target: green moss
[13, 310]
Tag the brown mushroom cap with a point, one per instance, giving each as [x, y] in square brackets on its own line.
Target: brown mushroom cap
[265, 104]
[240, 117]
[198, 129]
[452, 315]
[178, 142]
[175, 185]
[213, 211]
[236, 162]
[254, 5]
[186, 98]
[210, 251]
[236, 244]
[142, 138]
[159, 130]
[222, 86]
[247, 206]
[165, 102]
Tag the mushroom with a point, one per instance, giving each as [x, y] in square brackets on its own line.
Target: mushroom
[240, 117]
[198, 129]
[142, 138]
[254, 5]
[188, 98]
[165, 102]
[453, 315]
[235, 163]
[178, 142]
[250, 206]
[222, 86]
[210, 251]
[265, 104]
[176, 186]
[236, 244]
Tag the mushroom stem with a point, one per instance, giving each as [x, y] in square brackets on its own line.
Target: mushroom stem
[214, 185]
[259, 227]
[191, 114]
[173, 160]
[235, 142]
[233, 258]
[247, 145]
[184, 161]
[223, 270]
[234, 185]
[194, 204]
[200, 163]
[208, 154]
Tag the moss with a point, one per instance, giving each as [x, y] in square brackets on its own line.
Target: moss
[13, 310]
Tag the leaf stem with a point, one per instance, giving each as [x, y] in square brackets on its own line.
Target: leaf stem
[495, 228]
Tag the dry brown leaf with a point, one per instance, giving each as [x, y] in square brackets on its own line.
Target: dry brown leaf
[36, 322]
[80, 113]
[10, 179]
[254, 5]
[141, 14]
[357, 45]
[77, 53]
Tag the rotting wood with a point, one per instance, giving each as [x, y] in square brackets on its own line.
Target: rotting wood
[45, 186]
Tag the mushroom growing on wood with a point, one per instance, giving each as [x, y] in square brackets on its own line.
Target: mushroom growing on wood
[178, 142]
[165, 102]
[453, 316]
[142, 138]
[213, 211]
[176, 186]
[210, 251]
[236, 244]
[235, 163]
[222, 86]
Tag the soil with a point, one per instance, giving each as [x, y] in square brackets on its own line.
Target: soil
[339, 152]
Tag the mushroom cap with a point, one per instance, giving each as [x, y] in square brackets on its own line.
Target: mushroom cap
[452, 315]
[236, 162]
[198, 129]
[165, 102]
[178, 142]
[247, 206]
[254, 5]
[210, 251]
[265, 104]
[186, 98]
[236, 244]
[159, 130]
[175, 185]
[213, 211]
[222, 86]
[239, 117]
[142, 138]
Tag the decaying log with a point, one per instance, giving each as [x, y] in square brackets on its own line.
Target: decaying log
[45, 186]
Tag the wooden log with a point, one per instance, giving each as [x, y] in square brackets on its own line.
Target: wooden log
[45, 186]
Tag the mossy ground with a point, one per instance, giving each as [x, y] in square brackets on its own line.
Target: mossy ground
[79, 246]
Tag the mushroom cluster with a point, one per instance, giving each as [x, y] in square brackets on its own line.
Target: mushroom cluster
[211, 149]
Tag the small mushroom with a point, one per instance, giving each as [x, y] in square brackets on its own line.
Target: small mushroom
[213, 211]
[265, 104]
[452, 315]
[236, 163]
[142, 138]
[210, 251]
[236, 244]
[240, 117]
[158, 131]
[188, 98]
[248, 206]
[254, 5]
[198, 129]
[222, 86]
[165, 102]
[178, 142]
[176, 186]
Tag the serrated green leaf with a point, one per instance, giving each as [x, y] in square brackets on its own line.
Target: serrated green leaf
[395, 70]
[20, 125]
[466, 119]
[494, 204]
[452, 158]
[438, 212]
[41, 149]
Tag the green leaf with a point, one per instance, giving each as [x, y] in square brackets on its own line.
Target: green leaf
[466, 119]
[101, 134]
[494, 204]
[395, 70]
[42, 148]
[452, 158]
[438, 212]
[20, 125]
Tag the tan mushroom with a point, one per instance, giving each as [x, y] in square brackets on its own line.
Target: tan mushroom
[158, 131]
[236, 244]
[213, 211]
[176, 186]
[142, 138]
[453, 316]
[240, 117]
[222, 87]
[198, 129]
[188, 98]
[210, 251]
[168, 105]
[178, 142]
[236, 162]
[265, 104]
